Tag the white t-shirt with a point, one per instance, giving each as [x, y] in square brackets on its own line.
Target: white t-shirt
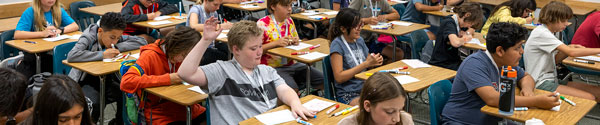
[540, 50]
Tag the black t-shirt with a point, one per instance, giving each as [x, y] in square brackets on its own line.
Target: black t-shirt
[444, 54]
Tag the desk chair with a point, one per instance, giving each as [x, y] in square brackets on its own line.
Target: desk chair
[438, 93]
[567, 40]
[83, 19]
[418, 39]
[328, 79]
[7, 51]
[60, 54]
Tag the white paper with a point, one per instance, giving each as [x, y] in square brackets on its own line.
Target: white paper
[415, 63]
[300, 46]
[399, 1]
[476, 41]
[381, 26]
[401, 23]
[75, 36]
[534, 121]
[159, 22]
[161, 18]
[529, 25]
[225, 31]
[137, 55]
[185, 83]
[557, 108]
[276, 117]
[249, 6]
[221, 36]
[53, 39]
[331, 13]
[313, 55]
[405, 79]
[593, 58]
[197, 89]
[309, 14]
[317, 105]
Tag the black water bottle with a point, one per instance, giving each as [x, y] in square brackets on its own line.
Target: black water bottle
[508, 80]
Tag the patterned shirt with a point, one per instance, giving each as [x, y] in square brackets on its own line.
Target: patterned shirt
[273, 31]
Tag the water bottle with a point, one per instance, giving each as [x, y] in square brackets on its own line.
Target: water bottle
[508, 80]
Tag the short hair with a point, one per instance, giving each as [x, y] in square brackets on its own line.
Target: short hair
[517, 7]
[504, 34]
[58, 95]
[111, 21]
[378, 88]
[180, 40]
[271, 3]
[13, 88]
[476, 16]
[554, 12]
[240, 32]
[348, 18]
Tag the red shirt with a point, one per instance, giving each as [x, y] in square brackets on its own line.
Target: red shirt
[588, 33]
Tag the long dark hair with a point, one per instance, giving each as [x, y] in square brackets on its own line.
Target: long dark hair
[58, 95]
[347, 18]
[517, 7]
[378, 88]
[180, 40]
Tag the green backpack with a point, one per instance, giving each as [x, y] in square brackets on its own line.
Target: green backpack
[133, 113]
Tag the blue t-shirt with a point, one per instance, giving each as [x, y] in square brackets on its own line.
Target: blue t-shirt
[411, 14]
[343, 3]
[360, 50]
[26, 22]
[464, 105]
[202, 16]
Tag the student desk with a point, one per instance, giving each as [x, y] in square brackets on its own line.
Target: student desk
[426, 76]
[100, 69]
[568, 114]
[322, 117]
[179, 94]
[438, 13]
[287, 53]
[261, 6]
[39, 46]
[313, 21]
[9, 23]
[394, 2]
[396, 30]
[489, 2]
[101, 10]
[174, 22]
[472, 46]
[569, 61]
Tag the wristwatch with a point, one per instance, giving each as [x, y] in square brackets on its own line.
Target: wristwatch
[62, 30]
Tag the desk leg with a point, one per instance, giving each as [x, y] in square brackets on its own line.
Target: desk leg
[407, 107]
[102, 97]
[394, 46]
[315, 30]
[189, 115]
[38, 63]
[307, 79]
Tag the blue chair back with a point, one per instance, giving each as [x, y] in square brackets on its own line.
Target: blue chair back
[438, 93]
[7, 51]
[60, 54]
[328, 79]
[83, 19]
[418, 40]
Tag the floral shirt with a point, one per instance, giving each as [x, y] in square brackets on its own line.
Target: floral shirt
[273, 31]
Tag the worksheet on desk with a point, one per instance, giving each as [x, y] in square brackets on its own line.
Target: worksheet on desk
[300, 46]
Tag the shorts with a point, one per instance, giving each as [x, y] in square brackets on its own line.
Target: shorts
[550, 85]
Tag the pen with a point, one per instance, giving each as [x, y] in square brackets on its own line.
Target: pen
[394, 71]
[521, 108]
[584, 61]
[315, 46]
[30, 42]
[345, 111]
[180, 5]
[302, 122]
[300, 53]
[333, 108]
[567, 100]
[349, 110]
[401, 68]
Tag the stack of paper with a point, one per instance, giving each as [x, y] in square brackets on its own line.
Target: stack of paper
[401, 23]
[476, 41]
[300, 46]
[415, 63]
[405, 79]
[276, 117]
[159, 22]
[317, 105]
[313, 55]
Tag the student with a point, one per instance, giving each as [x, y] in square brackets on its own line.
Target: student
[543, 51]
[160, 61]
[366, 9]
[99, 42]
[477, 79]
[230, 82]
[414, 12]
[60, 101]
[280, 31]
[382, 103]
[196, 18]
[349, 55]
[454, 33]
[45, 18]
[142, 10]
[588, 33]
[12, 88]
[513, 11]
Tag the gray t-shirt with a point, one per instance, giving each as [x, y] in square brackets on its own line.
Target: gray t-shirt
[464, 105]
[540, 50]
[411, 14]
[202, 15]
[234, 97]
[365, 9]
[360, 50]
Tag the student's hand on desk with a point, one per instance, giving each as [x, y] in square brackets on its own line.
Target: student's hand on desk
[547, 101]
[210, 29]
[374, 60]
[381, 18]
[439, 6]
[301, 111]
[294, 41]
[371, 20]
[110, 53]
[48, 33]
[151, 16]
[282, 42]
[175, 79]
[467, 38]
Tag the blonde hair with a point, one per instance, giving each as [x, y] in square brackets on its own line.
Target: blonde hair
[240, 32]
[38, 15]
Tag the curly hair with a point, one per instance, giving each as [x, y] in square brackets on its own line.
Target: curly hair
[111, 21]
[180, 40]
[12, 87]
[474, 9]
[504, 34]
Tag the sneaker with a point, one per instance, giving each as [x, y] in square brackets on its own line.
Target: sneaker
[11, 62]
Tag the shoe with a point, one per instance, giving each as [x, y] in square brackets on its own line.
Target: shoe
[11, 62]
